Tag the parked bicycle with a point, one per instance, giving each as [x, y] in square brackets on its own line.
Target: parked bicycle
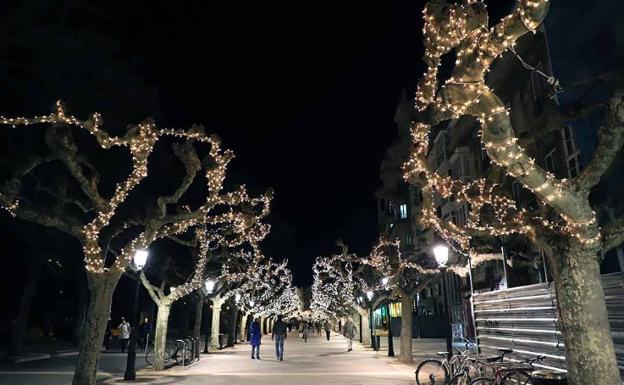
[509, 374]
[181, 351]
[442, 371]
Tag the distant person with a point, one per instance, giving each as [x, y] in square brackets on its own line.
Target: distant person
[318, 328]
[255, 339]
[349, 332]
[327, 329]
[124, 334]
[280, 332]
[306, 331]
[146, 331]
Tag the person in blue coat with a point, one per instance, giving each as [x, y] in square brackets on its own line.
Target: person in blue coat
[255, 338]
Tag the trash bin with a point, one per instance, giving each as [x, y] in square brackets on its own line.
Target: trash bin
[544, 377]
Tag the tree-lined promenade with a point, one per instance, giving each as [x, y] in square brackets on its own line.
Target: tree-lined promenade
[160, 207]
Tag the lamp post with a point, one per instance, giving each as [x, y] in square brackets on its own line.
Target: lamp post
[369, 295]
[441, 255]
[140, 259]
[209, 285]
[384, 281]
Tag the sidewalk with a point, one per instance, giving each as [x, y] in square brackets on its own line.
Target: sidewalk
[315, 362]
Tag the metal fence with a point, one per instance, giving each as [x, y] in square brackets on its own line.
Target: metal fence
[526, 320]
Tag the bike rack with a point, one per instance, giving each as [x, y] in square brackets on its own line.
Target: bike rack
[183, 342]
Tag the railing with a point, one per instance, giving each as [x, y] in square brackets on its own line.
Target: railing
[526, 320]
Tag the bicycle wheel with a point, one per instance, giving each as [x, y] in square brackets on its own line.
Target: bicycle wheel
[459, 379]
[482, 381]
[149, 356]
[431, 372]
[516, 378]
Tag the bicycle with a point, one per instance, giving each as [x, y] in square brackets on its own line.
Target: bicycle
[511, 375]
[442, 371]
[149, 353]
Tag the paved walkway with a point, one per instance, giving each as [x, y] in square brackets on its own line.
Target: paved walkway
[317, 362]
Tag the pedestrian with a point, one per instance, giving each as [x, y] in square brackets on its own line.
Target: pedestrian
[327, 329]
[280, 332]
[255, 339]
[306, 331]
[318, 328]
[124, 334]
[349, 332]
[146, 331]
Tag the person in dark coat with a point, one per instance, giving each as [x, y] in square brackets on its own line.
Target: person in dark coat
[255, 339]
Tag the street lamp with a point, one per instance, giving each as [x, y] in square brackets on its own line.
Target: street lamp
[369, 295]
[139, 260]
[441, 253]
[209, 285]
[384, 281]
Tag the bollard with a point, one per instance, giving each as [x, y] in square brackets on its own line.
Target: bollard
[544, 377]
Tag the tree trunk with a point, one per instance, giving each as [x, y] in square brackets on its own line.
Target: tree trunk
[160, 338]
[366, 334]
[590, 354]
[241, 327]
[407, 313]
[20, 324]
[216, 319]
[199, 311]
[101, 288]
[232, 326]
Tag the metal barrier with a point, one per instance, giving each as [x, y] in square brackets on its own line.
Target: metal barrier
[526, 320]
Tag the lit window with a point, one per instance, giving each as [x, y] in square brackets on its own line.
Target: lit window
[403, 211]
[409, 240]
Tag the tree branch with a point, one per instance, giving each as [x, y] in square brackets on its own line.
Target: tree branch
[610, 141]
[613, 234]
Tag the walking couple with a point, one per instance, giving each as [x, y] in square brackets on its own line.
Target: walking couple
[280, 332]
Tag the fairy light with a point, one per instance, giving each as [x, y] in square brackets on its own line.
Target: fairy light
[140, 141]
[464, 28]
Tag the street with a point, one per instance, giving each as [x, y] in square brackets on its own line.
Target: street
[60, 370]
[314, 362]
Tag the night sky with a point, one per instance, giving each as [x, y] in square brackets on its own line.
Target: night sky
[303, 92]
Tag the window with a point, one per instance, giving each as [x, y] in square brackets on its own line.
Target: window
[390, 207]
[409, 240]
[461, 164]
[549, 161]
[402, 211]
[570, 151]
[516, 189]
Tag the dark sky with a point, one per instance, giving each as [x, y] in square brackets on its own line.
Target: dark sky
[303, 92]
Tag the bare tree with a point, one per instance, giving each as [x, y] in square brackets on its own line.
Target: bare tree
[77, 202]
[566, 226]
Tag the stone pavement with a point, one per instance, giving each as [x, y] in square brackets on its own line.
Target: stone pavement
[315, 362]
